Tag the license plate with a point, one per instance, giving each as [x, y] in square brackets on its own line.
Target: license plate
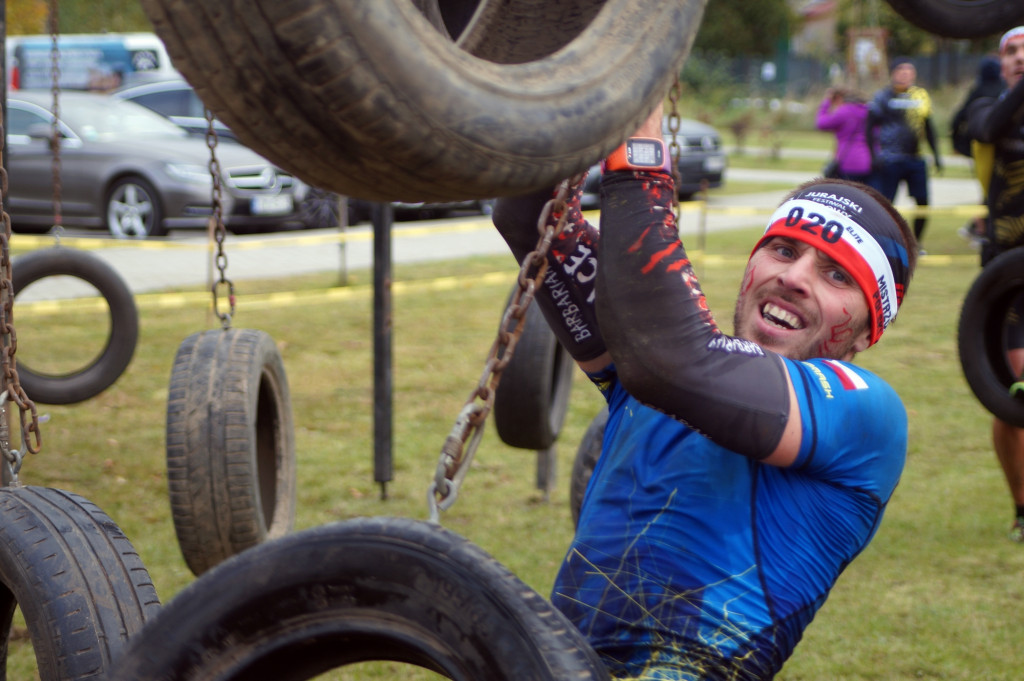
[713, 164]
[279, 204]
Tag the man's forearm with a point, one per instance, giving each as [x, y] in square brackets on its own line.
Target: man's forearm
[567, 295]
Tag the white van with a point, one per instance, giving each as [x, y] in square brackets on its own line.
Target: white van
[99, 61]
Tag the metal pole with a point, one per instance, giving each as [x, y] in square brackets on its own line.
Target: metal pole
[383, 218]
[342, 207]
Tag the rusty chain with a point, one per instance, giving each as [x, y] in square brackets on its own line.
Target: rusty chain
[10, 384]
[460, 446]
[456, 457]
[217, 228]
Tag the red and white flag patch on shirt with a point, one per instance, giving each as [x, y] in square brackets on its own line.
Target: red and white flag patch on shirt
[849, 379]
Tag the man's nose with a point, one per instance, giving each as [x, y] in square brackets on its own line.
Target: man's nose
[798, 275]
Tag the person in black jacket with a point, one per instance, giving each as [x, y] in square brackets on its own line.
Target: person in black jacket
[997, 121]
[899, 115]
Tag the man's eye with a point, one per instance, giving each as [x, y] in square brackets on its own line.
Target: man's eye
[784, 250]
[839, 276]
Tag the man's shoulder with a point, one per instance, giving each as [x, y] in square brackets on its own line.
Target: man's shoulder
[833, 379]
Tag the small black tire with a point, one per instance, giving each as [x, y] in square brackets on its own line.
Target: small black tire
[532, 398]
[103, 371]
[230, 445]
[961, 18]
[79, 582]
[981, 335]
[133, 209]
[355, 591]
[411, 101]
[583, 465]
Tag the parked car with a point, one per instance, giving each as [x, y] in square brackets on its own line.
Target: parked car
[176, 100]
[701, 159]
[137, 174]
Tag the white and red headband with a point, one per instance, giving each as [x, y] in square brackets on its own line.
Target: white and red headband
[831, 228]
[1010, 35]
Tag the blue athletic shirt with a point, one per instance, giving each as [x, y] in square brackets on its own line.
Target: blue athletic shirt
[720, 581]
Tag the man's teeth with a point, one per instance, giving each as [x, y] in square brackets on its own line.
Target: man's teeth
[779, 317]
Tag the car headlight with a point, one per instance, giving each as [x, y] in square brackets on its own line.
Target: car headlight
[188, 172]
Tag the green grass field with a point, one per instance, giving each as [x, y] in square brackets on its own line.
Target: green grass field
[937, 595]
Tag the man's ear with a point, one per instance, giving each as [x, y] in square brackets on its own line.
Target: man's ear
[863, 341]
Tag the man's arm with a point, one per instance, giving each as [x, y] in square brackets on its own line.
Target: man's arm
[988, 120]
[567, 295]
[667, 349]
[929, 133]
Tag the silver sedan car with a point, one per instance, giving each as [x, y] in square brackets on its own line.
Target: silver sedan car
[133, 172]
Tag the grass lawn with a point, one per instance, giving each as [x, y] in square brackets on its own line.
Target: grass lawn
[937, 595]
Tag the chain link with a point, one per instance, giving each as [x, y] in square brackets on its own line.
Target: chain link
[10, 384]
[218, 230]
[456, 456]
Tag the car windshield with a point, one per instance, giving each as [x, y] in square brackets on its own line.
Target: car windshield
[107, 120]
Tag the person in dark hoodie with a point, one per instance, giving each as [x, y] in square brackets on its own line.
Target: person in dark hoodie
[899, 116]
[989, 83]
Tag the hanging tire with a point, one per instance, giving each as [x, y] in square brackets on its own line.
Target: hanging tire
[103, 371]
[81, 587]
[982, 336]
[961, 18]
[366, 589]
[583, 465]
[532, 398]
[134, 210]
[230, 445]
[400, 102]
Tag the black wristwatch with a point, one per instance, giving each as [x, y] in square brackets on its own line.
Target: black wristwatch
[639, 153]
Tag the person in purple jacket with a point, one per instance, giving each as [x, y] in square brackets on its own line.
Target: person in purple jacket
[845, 113]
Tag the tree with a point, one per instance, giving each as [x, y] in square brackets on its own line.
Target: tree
[744, 28]
[76, 16]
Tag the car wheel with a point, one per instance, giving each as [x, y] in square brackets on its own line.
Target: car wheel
[319, 210]
[400, 104]
[133, 210]
[959, 19]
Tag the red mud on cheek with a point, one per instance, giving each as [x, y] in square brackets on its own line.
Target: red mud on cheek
[839, 335]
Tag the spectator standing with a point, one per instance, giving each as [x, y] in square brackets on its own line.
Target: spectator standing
[899, 116]
[989, 83]
[845, 113]
[997, 121]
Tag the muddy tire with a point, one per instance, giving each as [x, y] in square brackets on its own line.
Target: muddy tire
[366, 589]
[981, 335]
[81, 587]
[532, 398]
[583, 465]
[230, 445]
[430, 100]
[104, 370]
[961, 18]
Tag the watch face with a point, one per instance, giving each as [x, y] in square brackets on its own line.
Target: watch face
[645, 153]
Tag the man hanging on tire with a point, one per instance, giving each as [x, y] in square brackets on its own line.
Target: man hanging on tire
[739, 474]
[996, 121]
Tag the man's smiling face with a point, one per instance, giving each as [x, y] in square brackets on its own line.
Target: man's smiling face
[797, 301]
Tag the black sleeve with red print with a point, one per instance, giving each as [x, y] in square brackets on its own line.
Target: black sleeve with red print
[567, 296]
[654, 318]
